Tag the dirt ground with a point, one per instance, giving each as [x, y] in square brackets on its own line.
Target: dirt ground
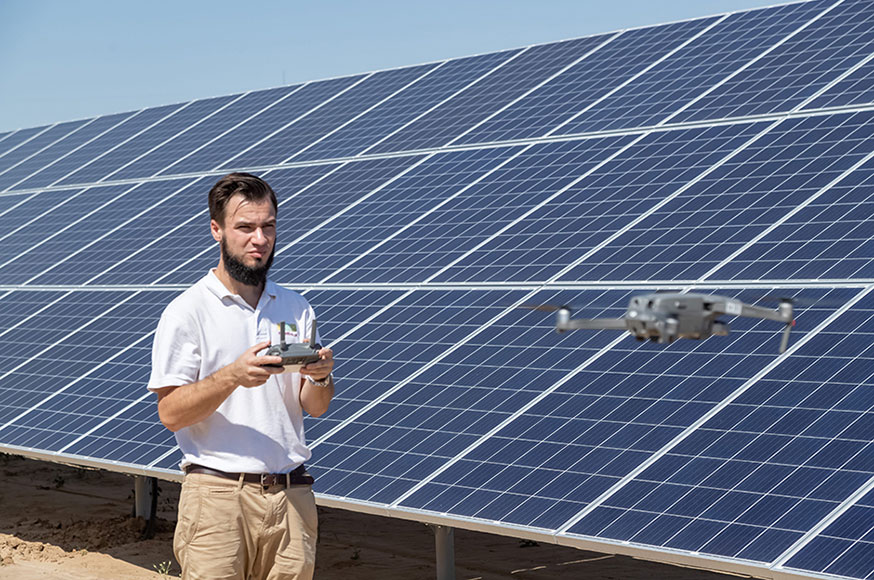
[65, 523]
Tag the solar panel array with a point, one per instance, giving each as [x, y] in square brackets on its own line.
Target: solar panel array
[420, 206]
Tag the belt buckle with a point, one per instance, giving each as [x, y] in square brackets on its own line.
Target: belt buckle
[264, 477]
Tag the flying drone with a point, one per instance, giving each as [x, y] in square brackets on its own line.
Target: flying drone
[665, 317]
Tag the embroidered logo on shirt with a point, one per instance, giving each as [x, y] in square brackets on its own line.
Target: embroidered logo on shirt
[290, 331]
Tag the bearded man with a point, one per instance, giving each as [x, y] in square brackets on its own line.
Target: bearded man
[247, 508]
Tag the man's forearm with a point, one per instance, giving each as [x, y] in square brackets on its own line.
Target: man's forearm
[315, 400]
[183, 406]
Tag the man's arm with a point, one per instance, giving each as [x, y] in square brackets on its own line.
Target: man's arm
[315, 400]
[183, 406]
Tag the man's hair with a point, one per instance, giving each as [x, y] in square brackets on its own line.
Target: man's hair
[252, 188]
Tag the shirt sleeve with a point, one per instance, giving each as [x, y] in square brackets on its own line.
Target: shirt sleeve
[176, 354]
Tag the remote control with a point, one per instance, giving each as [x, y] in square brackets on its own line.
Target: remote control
[294, 356]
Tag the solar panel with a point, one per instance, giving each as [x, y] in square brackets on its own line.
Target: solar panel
[421, 206]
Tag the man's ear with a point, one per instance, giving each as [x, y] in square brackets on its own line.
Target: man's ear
[216, 230]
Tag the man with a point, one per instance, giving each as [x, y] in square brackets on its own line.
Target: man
[246, 509]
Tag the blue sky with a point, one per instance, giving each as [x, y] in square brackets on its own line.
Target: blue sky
[72, 59]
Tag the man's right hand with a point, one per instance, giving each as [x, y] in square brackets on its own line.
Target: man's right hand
[249, 370]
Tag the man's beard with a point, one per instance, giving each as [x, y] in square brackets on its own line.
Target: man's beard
[250, 276]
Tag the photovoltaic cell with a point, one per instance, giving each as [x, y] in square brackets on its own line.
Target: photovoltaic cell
[75, 226]
[180, 154]
[429, 91]
[392, 348]
[856, 89]
[404, 200]
[830, 238]
[560, 232]
[293, 102]
[16, 139]
[732, 204]
[9, 203]
[3, 137]
[24, 151]
[698, 66]
[135, 437]
[94, 150]
[41, 217]
[795, 71]
[845, 548]
[97, 371]
[583, 84]
[435, 240]
[487, 96]
[59, 150]
[26, 380]
[84, 252]
[768, 466]
[339, 313]
[283, 146]
[170, 126]
[166, 238]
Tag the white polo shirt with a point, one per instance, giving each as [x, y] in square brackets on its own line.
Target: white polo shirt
[255, 430]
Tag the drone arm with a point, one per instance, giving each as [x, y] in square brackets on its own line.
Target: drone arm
[766, 313]
[782, 314]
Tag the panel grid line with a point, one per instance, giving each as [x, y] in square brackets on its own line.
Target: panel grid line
[229, 130]
[70, 152]
[441, 103]
[293, 121]
[640, 73]
[364, 112]
[794, 211]
[172, 137]
[534, 88]
[712, 412]
[657, 206]
[53, 143]
[117, 145]
[750, 63]
[28, 140]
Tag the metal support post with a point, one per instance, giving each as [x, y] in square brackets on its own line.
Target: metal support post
[445, 543]
[146, 502]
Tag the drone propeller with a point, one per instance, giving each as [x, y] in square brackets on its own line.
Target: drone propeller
[591, 324]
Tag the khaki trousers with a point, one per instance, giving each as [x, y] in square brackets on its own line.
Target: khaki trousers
[242, 531]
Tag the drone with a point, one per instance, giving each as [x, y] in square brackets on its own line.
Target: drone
[665, 317]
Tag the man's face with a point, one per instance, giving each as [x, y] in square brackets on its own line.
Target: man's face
[247, 238]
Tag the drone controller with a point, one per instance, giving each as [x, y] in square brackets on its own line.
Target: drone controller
[294, 356]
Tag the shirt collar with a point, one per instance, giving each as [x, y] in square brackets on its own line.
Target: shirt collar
[219, 289]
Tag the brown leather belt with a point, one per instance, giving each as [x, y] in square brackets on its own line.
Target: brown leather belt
[297, 477]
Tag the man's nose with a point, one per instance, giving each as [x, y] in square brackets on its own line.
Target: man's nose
[259, 236]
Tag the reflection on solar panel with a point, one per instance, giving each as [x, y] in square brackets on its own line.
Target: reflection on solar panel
[420, 206]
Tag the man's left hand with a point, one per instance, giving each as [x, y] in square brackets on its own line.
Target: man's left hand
[320, 369]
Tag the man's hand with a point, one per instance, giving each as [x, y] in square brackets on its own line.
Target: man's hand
[249, 370]
[183, 406]
[315, 400]
[320, 369]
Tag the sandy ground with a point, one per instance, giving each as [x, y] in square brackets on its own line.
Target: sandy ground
[64, 523]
